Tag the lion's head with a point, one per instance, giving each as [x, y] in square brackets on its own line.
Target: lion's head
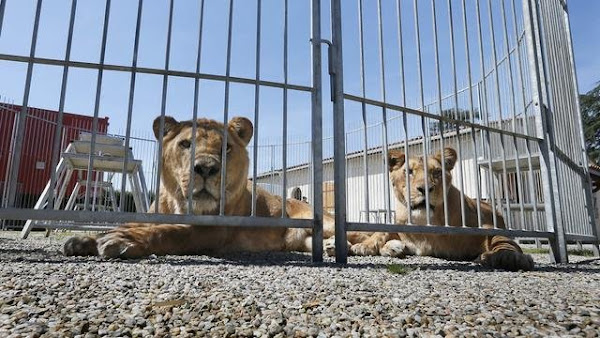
[178, 144]
[415, 167]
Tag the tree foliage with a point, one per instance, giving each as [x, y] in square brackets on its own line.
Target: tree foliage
[590, 114]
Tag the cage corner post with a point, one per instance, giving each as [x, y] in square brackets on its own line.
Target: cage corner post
[317, 134]
[535, 45]
[339, 147]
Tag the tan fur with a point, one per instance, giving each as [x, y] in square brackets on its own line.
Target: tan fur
[493, 251]
[137, 240]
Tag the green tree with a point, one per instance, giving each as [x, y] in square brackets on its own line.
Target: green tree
[590, 114]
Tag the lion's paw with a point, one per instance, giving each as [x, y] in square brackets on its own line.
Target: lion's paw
[329, 246]
[80, 246]
[393, 248]
[118, 245]
[364, 249]
[507, 260]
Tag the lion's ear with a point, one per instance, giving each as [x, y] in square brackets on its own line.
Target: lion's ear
[396, 159]
[242, 127]
[449, 158]
[170, 125]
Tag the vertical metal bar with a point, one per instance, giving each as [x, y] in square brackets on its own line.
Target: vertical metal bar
[364, 107]
[500, 112]
[553, 36]
[439, 99]
[513, 107]
[56, 150]
[195, 111]
[92, 155]
[456, 110]
[472, 108]
[485, 113]
[95, 194]
[339, 149]
[548, 161]
[521, 83]
[404, 119]
[226, 113]
[316, 133]
[272, 157]
[575, 222]
[2, 8]
[257, 100]
[559, 108]
[136, 44]
[163, 107]
[285, 112]
[19, 131]
[422, 107]
[386, 188]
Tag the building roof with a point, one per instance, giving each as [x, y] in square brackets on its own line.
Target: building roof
[395, 145]
[370, 151]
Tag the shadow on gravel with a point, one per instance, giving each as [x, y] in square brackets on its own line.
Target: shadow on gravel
[284, 259]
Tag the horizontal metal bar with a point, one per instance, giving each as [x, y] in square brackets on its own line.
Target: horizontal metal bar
[155, 71]
[437, 117]
[582, 238]
[527, 206]
[124, 217]
[434, 229]
[575, 167]
[75, 226]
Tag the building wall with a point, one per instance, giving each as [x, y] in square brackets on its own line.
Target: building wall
[596, 202]
[377, 180]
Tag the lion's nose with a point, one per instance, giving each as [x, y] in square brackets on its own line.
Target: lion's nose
[207, 167]
[422, 190]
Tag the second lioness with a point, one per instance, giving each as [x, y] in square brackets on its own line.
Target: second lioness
[493, 251]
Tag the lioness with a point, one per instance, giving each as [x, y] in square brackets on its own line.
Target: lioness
[138, 240]
[492, 251]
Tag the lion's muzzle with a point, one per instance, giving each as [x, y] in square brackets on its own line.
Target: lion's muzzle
[207, 167]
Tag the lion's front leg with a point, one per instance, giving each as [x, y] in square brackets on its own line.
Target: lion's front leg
[372, 245]
[134, 242]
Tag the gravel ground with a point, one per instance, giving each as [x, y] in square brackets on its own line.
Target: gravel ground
[43, 293]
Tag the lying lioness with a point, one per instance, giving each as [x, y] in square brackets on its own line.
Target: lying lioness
[139, 239]
[493, 251]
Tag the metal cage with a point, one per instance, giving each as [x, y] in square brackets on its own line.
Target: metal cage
[495, 80]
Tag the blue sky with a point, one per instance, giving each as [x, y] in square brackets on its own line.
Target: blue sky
[585, 30]
[80, 96]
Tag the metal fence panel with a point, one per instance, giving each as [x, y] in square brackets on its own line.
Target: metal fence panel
[271, 81]
[424, 75]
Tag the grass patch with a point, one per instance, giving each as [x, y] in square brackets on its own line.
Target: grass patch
[399, 269]
[582, 252]
[536, 250]
[576, 252]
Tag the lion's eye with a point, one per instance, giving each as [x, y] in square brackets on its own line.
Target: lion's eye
[410, 171]
[437, 173]
[185, 144]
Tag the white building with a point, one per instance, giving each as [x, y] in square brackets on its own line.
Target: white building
[474, 157]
